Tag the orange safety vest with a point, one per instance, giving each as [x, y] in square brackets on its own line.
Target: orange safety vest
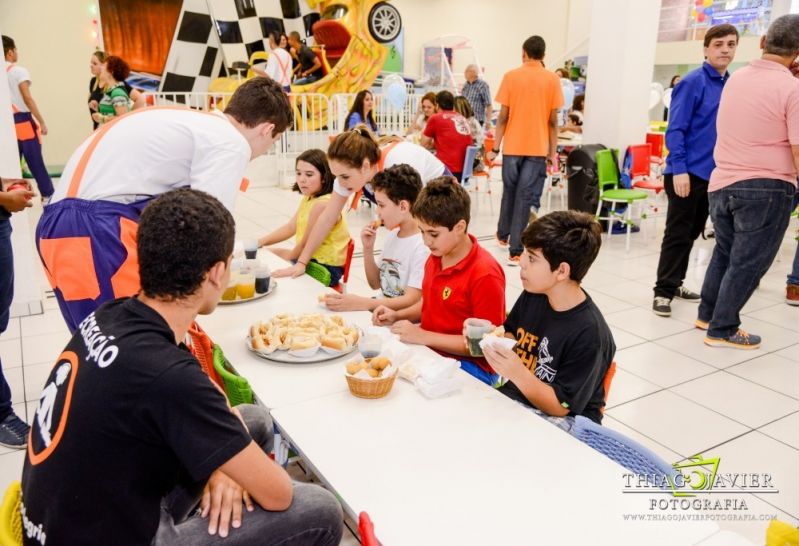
[26, 130]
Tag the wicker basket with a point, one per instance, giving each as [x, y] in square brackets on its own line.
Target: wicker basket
[370, 388]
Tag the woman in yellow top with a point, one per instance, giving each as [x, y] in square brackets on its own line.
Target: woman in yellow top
[315, 182]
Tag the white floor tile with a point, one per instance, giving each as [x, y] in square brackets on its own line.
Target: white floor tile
[607, 304]
[659, 449]
[11, 467]
[682, 425]
[35, 377]
[752, 531]
[785, 430]
[12, 330]
[50, 322]
[790, 352]
[11, 352]
[626, 386]
[780, 314]
[660, 365]
[773, 371]
[16, 383]
[633, 292]
[643, 323]
[757, 453]
[738, 398]
[691, 344]
[44, 348]
[624, 339]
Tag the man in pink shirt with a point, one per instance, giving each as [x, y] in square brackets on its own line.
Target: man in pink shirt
[752, 187]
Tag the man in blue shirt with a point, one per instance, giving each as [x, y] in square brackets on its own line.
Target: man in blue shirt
[690, 138]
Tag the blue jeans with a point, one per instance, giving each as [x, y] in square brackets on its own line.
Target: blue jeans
[750, 218]
[522, 184]
[793, 276]
[6, 295]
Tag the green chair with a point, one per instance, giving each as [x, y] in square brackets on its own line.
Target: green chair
[237, 388]
[610, 193]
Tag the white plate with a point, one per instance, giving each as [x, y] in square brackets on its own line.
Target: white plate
[272, 286]
[288, 358]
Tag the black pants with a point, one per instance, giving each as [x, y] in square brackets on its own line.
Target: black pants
[685, 220]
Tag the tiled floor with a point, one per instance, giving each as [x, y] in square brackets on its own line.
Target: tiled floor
[671, 393]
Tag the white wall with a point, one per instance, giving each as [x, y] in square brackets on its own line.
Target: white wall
[54, 43]
[497, 29]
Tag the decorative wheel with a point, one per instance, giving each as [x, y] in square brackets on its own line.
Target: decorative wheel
[385, 22]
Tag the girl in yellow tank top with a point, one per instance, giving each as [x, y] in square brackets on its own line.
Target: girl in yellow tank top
[315, 182]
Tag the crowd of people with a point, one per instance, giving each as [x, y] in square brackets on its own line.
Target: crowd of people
[151, 438]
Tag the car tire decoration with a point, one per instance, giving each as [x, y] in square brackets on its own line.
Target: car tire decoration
[385, 22]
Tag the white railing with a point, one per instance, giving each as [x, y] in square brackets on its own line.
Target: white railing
[317, 117]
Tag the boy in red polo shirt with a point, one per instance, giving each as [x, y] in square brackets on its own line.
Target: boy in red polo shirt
[461, 280]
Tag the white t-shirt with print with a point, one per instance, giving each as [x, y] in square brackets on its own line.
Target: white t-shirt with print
[17, 75]
[402, 263]
[426, 164]
[154, 150]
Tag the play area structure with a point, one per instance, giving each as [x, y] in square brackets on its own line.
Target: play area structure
[348, 38]
[444, 60]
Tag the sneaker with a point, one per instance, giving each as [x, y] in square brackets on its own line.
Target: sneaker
[14, 432]
[501, 242]
[792, 294]
[685, 294]
[661, 306]
[738, 340]
[514, 260]
[702, 324]
[621, 228]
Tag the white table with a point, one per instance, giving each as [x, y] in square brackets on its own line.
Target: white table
[472, 468]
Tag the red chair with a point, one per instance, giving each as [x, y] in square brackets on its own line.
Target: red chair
[658, 143]
[641, 174]
[342, 285]
[367, 530]
[334, 36]
[607, 381]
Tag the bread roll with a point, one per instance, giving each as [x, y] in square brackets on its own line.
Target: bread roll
[299, 343]
[353, 367]
[255, 330]
[257, 343]
[337, 343]
[379, 363]
[372, 372]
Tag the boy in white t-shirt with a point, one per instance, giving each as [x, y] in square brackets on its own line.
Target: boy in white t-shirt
[401, 269]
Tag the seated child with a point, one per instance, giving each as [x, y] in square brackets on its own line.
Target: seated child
[461, 280]
[315, 182]
[401, 268]
[564, 347]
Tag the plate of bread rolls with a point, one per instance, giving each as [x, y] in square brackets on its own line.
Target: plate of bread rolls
[302, 338]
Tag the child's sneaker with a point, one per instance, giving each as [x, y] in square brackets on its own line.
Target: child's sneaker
[661, 306]
[792, 294]
[13, 432]
[685, 294]
[514, 260]
[702, 324]
[503, 243]
[738, 340]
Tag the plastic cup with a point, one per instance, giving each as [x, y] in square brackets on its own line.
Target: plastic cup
[250, 248]
[370, 345]
[245, 287]
[263, 278]
[475, 328]
[230, 292]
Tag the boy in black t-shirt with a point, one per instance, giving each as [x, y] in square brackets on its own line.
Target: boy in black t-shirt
[564, 347]
[130, 434]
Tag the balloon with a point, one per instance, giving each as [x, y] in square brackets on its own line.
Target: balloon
[567, 87]
[667, 97]
[693, 13]
[708, 12]
[394, 91]
[655, 94]
[701, 17]
[707, 3]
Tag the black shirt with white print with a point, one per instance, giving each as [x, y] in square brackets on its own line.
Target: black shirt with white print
[125, 415]
[569, 350]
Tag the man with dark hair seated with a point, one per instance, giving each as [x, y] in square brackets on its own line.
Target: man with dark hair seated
[130, 435]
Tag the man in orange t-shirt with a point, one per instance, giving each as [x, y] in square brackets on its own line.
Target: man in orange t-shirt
[528, 122]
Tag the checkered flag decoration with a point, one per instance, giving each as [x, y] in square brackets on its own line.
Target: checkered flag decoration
[213, 34]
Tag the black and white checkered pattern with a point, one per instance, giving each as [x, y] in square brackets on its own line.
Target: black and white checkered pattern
[213, 34]
[194, 58]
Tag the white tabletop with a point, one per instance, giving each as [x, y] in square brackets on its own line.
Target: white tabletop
[473, 468]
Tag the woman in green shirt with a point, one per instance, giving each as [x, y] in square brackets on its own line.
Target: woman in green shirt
[115, 101]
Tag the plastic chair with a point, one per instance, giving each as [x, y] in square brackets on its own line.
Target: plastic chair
[555, 178]
[658, 143]
[11, 516]
[237, 388]
[468, 164]
[367, 530]
[641, 175]
[623, 450]
[609, 192]
[607, 381]
[342, 285]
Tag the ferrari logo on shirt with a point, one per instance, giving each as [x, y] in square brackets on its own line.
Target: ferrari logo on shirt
[446, 293]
